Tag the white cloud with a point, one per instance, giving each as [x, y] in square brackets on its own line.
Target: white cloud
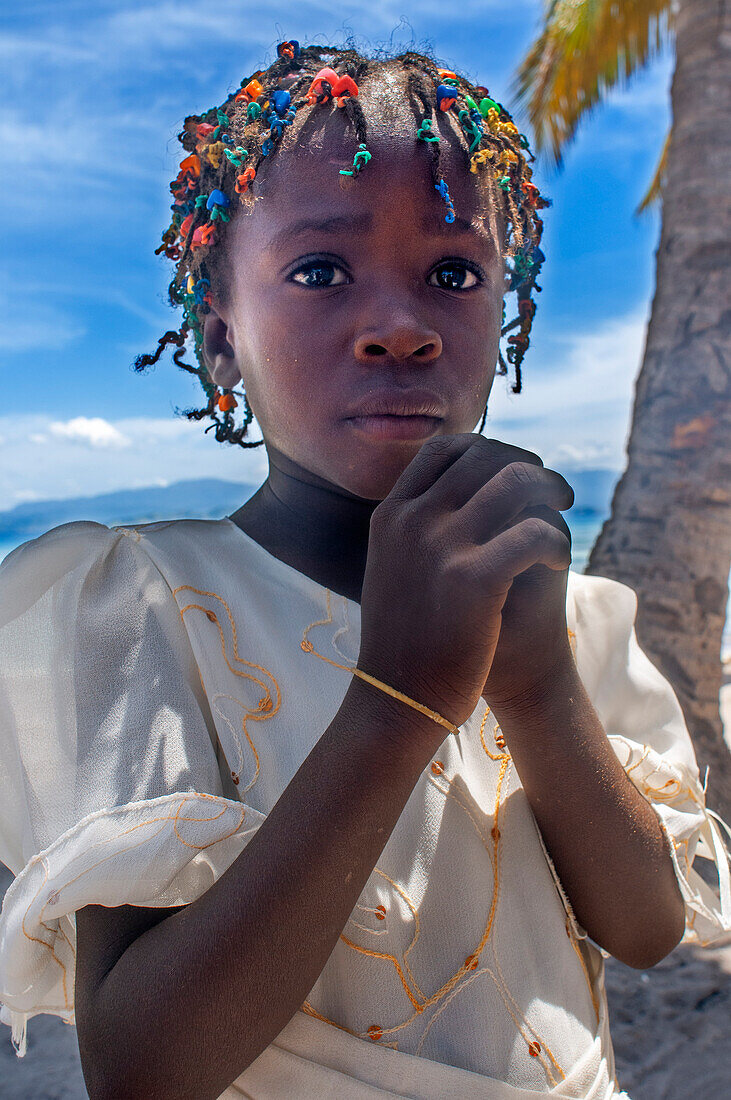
[577, 396]
[92, 431]
[39, 463]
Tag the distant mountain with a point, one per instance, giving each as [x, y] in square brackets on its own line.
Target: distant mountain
[205, 498]
[212, 498]
[593, 489]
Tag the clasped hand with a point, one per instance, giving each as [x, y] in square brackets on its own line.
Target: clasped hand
[464, 592]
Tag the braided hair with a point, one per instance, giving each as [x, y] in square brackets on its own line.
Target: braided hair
[226, 146]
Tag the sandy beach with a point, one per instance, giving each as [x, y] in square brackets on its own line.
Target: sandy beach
[670, 1026]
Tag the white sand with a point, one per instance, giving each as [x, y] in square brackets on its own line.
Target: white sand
[671, 1027]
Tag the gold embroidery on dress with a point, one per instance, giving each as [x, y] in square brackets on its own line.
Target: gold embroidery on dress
[266, 707]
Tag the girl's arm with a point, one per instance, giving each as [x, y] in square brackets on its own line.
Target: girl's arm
[604, 838]
[178, 1004]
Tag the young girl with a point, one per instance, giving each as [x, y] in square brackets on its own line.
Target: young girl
[348, 793]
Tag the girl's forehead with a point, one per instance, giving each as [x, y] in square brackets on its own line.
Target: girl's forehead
[396, 183]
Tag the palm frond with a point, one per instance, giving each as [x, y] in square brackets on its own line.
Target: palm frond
[654, 191]
[584, 48]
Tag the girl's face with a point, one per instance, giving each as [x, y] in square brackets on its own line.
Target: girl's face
[340, 293]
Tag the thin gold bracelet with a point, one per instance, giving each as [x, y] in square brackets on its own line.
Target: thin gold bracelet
[307, 646]
[405, 699]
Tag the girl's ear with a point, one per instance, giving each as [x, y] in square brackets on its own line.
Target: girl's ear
[218, 354]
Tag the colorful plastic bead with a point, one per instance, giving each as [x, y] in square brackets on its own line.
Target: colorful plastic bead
[253, 90]
[280, 102]
[360, 160]
[487, 104]
[343, 88]
[244, 181]
[217, 197]
[289, 49]
[191, 164]
[445, 97]
[425, 132]
[326, 75]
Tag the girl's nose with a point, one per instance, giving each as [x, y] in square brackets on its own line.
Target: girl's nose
[400, 340]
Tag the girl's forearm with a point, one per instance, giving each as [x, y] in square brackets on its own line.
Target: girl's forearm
[604, 838]
[195, 999]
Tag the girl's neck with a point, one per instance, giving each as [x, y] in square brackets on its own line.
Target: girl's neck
[313, 525]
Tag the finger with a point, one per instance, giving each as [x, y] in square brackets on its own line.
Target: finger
[479, 463]
[514, 489]
[528, 543]
[432, 458]
[551, 516]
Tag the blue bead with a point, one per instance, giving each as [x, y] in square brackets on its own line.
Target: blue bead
[293, 42]
[445, 92]
[217, 198]
[280, 102]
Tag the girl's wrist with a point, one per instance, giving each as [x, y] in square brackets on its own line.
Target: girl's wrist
[396, 727]
[544, 689]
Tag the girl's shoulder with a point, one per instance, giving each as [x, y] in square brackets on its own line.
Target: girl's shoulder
[82, 543]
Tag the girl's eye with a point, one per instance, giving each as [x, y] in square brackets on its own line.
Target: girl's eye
[455, 275]
[319, 273]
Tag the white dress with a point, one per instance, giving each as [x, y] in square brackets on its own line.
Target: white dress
[155, 701]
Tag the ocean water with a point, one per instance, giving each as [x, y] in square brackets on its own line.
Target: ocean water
[584, 529]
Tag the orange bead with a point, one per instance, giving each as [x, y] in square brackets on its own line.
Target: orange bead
[253, 90]
[375, 1032]
[208, 233]
[437, 767]
[534, 1049]
[307, 646]
[243, 181]
[191, 164]
[380, 912]
[471, 962]
[226, 402]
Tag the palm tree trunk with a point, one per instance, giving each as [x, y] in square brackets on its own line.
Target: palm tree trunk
[669, 533]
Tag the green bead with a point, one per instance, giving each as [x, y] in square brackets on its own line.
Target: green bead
[487, 105]
[470, 102]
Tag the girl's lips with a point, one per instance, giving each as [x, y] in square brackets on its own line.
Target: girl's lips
[395, 427]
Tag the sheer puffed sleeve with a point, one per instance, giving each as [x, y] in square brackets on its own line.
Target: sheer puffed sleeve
[110, 791]
[645, 725]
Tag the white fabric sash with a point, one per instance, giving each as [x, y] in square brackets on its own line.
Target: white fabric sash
[314, 1059]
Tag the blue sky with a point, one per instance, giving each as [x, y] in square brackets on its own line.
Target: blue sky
[95, 95]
